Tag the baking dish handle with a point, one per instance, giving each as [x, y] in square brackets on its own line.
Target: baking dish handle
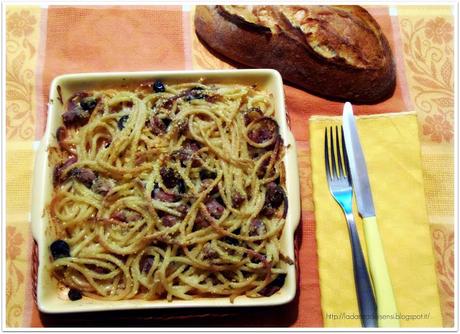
[38, 188]
[292, 177]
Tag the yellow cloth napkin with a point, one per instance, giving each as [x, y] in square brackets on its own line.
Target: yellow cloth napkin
[392, 150]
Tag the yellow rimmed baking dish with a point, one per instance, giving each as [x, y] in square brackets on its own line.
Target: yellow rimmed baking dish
[52, 298]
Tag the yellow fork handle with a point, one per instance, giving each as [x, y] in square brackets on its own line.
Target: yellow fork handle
[386, 304]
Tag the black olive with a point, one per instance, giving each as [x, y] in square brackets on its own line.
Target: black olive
[59, 248]
[146, 263]
[158, 86]
[207, 174]
[279, 280]
[232, 241]
[166, 121]
[74, 294]
[274, 196]
[155, 187]
[273, 286]
[220, 201]
[121, 122]
[88, 103]
[182, 187]
[199, 95]
[169, 176]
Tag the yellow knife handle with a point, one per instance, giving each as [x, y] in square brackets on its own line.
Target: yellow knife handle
[386, 304]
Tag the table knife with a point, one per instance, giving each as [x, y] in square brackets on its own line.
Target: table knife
[386, 304]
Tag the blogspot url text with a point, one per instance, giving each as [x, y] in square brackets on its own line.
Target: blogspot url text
[398, 316]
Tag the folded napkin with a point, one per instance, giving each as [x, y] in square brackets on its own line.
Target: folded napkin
[392, 150]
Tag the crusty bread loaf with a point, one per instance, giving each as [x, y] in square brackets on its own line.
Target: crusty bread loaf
[338, 52]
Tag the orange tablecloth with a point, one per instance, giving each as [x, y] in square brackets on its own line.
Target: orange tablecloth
[45, 42]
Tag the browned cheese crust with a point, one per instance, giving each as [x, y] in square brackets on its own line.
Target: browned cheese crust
[338, 52]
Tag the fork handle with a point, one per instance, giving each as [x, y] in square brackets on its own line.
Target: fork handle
[366, 299]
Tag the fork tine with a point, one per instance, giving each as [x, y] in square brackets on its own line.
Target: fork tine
[333, 162]
[345, 157]
[326, 155]
[338, 145]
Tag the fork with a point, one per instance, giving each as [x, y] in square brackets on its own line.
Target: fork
[340, 187]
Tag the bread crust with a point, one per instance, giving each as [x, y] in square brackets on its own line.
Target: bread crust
[365, 75]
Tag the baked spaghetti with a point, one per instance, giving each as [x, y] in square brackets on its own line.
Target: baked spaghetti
[168, 191]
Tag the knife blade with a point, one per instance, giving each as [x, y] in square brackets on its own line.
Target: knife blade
[357, 163]
[386, 304]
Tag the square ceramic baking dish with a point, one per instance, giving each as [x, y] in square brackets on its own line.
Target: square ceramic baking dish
[53, 299]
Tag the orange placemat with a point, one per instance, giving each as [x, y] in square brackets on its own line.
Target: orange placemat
[123, 43]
